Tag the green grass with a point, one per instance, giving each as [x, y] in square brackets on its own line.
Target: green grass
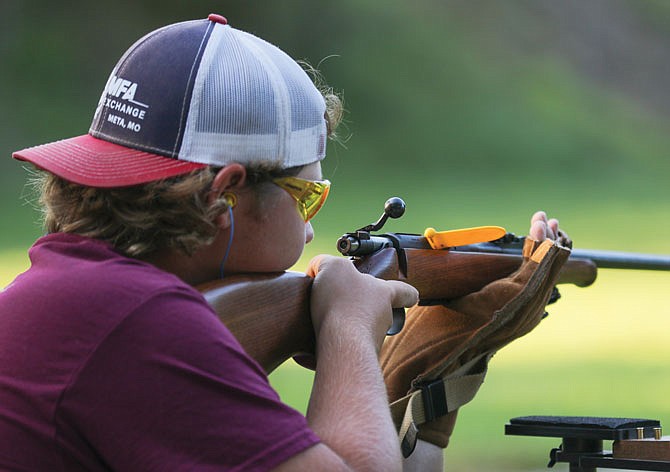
[13, 262]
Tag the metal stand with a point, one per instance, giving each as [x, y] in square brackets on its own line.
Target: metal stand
[573, 449]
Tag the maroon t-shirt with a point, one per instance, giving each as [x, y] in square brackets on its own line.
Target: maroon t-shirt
[108, 363]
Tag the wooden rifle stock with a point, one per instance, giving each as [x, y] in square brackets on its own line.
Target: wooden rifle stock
[269, 313]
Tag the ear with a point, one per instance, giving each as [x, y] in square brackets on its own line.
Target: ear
[230, 179]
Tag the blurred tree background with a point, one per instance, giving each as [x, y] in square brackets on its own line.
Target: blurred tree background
[475, 112]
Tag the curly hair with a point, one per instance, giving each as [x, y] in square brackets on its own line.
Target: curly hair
[138, 220]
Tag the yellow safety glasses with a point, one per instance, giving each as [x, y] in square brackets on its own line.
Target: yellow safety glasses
[309, 194]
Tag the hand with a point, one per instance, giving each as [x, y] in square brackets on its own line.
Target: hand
[542, 228]
[345, 299]
[440, 341]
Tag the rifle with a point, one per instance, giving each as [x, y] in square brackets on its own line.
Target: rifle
[277, 324]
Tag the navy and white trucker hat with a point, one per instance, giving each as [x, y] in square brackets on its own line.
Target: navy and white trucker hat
[188, 95]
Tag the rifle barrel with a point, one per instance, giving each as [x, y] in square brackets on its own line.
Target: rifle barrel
[623, 260]
[602, 259]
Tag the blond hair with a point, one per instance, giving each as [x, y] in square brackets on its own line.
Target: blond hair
[138, 220]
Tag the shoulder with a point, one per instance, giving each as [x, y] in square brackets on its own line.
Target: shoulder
[172, 375]
[78, 272]
[177, 321]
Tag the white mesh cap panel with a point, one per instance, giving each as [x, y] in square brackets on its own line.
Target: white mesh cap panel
[252, 102]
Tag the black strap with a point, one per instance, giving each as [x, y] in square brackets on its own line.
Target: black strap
[434, 399]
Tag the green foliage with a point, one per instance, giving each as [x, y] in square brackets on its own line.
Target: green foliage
[445, 105]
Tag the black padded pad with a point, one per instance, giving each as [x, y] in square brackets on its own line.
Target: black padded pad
[585, 421]
[586, 427]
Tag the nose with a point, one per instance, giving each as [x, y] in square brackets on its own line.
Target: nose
[309, 232]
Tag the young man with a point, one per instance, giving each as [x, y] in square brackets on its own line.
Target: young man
[203, 160]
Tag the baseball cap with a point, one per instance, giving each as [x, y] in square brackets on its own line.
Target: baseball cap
[188, 95]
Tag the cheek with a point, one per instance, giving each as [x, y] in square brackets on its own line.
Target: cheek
[288, 243]
[276, 240]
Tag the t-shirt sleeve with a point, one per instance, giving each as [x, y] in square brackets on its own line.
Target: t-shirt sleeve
[170, 388]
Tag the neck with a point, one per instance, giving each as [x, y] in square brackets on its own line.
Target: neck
[191, 269]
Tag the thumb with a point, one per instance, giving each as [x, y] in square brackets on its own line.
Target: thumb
[404, 294]
[314, 265]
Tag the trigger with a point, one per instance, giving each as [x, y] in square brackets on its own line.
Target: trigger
[398, 321]
[463, 237]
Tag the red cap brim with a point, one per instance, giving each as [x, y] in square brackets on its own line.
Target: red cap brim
[90, 161]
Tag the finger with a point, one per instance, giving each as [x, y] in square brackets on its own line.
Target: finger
[552, 225]
[538, 230]
[404, 295]
[538, 216]
[314, 265]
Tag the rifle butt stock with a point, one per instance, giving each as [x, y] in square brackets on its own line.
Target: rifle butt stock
[268, 314]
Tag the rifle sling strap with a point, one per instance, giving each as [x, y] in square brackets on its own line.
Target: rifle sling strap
[437, 398]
